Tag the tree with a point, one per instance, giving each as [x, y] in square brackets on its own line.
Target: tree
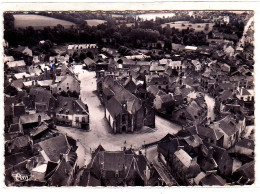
[70, 60]
[206, 27]
[82, 56]
[90, 55]
[168, 45]
[8, 21]
[168, 31]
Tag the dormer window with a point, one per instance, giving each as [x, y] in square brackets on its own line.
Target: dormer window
[117, 174]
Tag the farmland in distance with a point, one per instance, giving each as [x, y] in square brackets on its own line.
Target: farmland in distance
[38, 21]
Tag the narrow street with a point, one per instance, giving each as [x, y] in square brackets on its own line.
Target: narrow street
[100, 132]
[211, 104]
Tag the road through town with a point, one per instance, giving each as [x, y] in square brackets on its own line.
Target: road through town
[100, 131]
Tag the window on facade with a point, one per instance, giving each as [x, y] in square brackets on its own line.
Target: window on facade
[77, 119]
[68, 88]
[83, 119]
[59, 88]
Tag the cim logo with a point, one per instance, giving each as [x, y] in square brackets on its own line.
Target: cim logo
[21, 177]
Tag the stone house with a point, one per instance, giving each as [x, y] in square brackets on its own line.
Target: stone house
[67, 84]
[119, 168]
[232, 128]
[72, 112]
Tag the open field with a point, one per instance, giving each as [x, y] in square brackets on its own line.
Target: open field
[181, 25]
[38, 21]
[95, 22]
[152, 16]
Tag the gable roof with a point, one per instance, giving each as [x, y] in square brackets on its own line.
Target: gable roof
[55, 146]
[153, 89]
[20, 142]
[88, 61]
[42, 127]
[62, 174]
[183, 157]
[116, 160]
[212, 179]
[15, 128]
[166, 98]
[33, 118]
[114, 105]
[68, 105]
[246, 143]
[227, 94]
[40, 94]
[228, 127]
[209, 132]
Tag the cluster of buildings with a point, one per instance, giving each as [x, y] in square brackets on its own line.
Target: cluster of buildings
[119, 168]
[37, 97]
[214, 147]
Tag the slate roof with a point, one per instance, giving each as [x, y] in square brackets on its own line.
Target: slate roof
[166, 98]
[18, 84]
[15, 128]
[41, 94]
[39, 129]
[153, 89]
[193, 141]
[55, 146]
[209, 132]
[87, 179]
[247, 170]
[116, 160]
[193, 109]
[212, 179]
[20, 142]
[14, 159]
[246, 143]
[62, 174]
[227, 94]
[245, 92]
[67, 105]
[184, 158]
[228, 127]
[114, 105]
[88, 61]
[8, 101]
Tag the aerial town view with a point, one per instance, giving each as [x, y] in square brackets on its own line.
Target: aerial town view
[129, 98]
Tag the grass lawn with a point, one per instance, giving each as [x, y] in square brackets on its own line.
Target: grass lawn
[95, 22]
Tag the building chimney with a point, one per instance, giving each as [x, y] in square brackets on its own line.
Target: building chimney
[210, 152]
[39, 119]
